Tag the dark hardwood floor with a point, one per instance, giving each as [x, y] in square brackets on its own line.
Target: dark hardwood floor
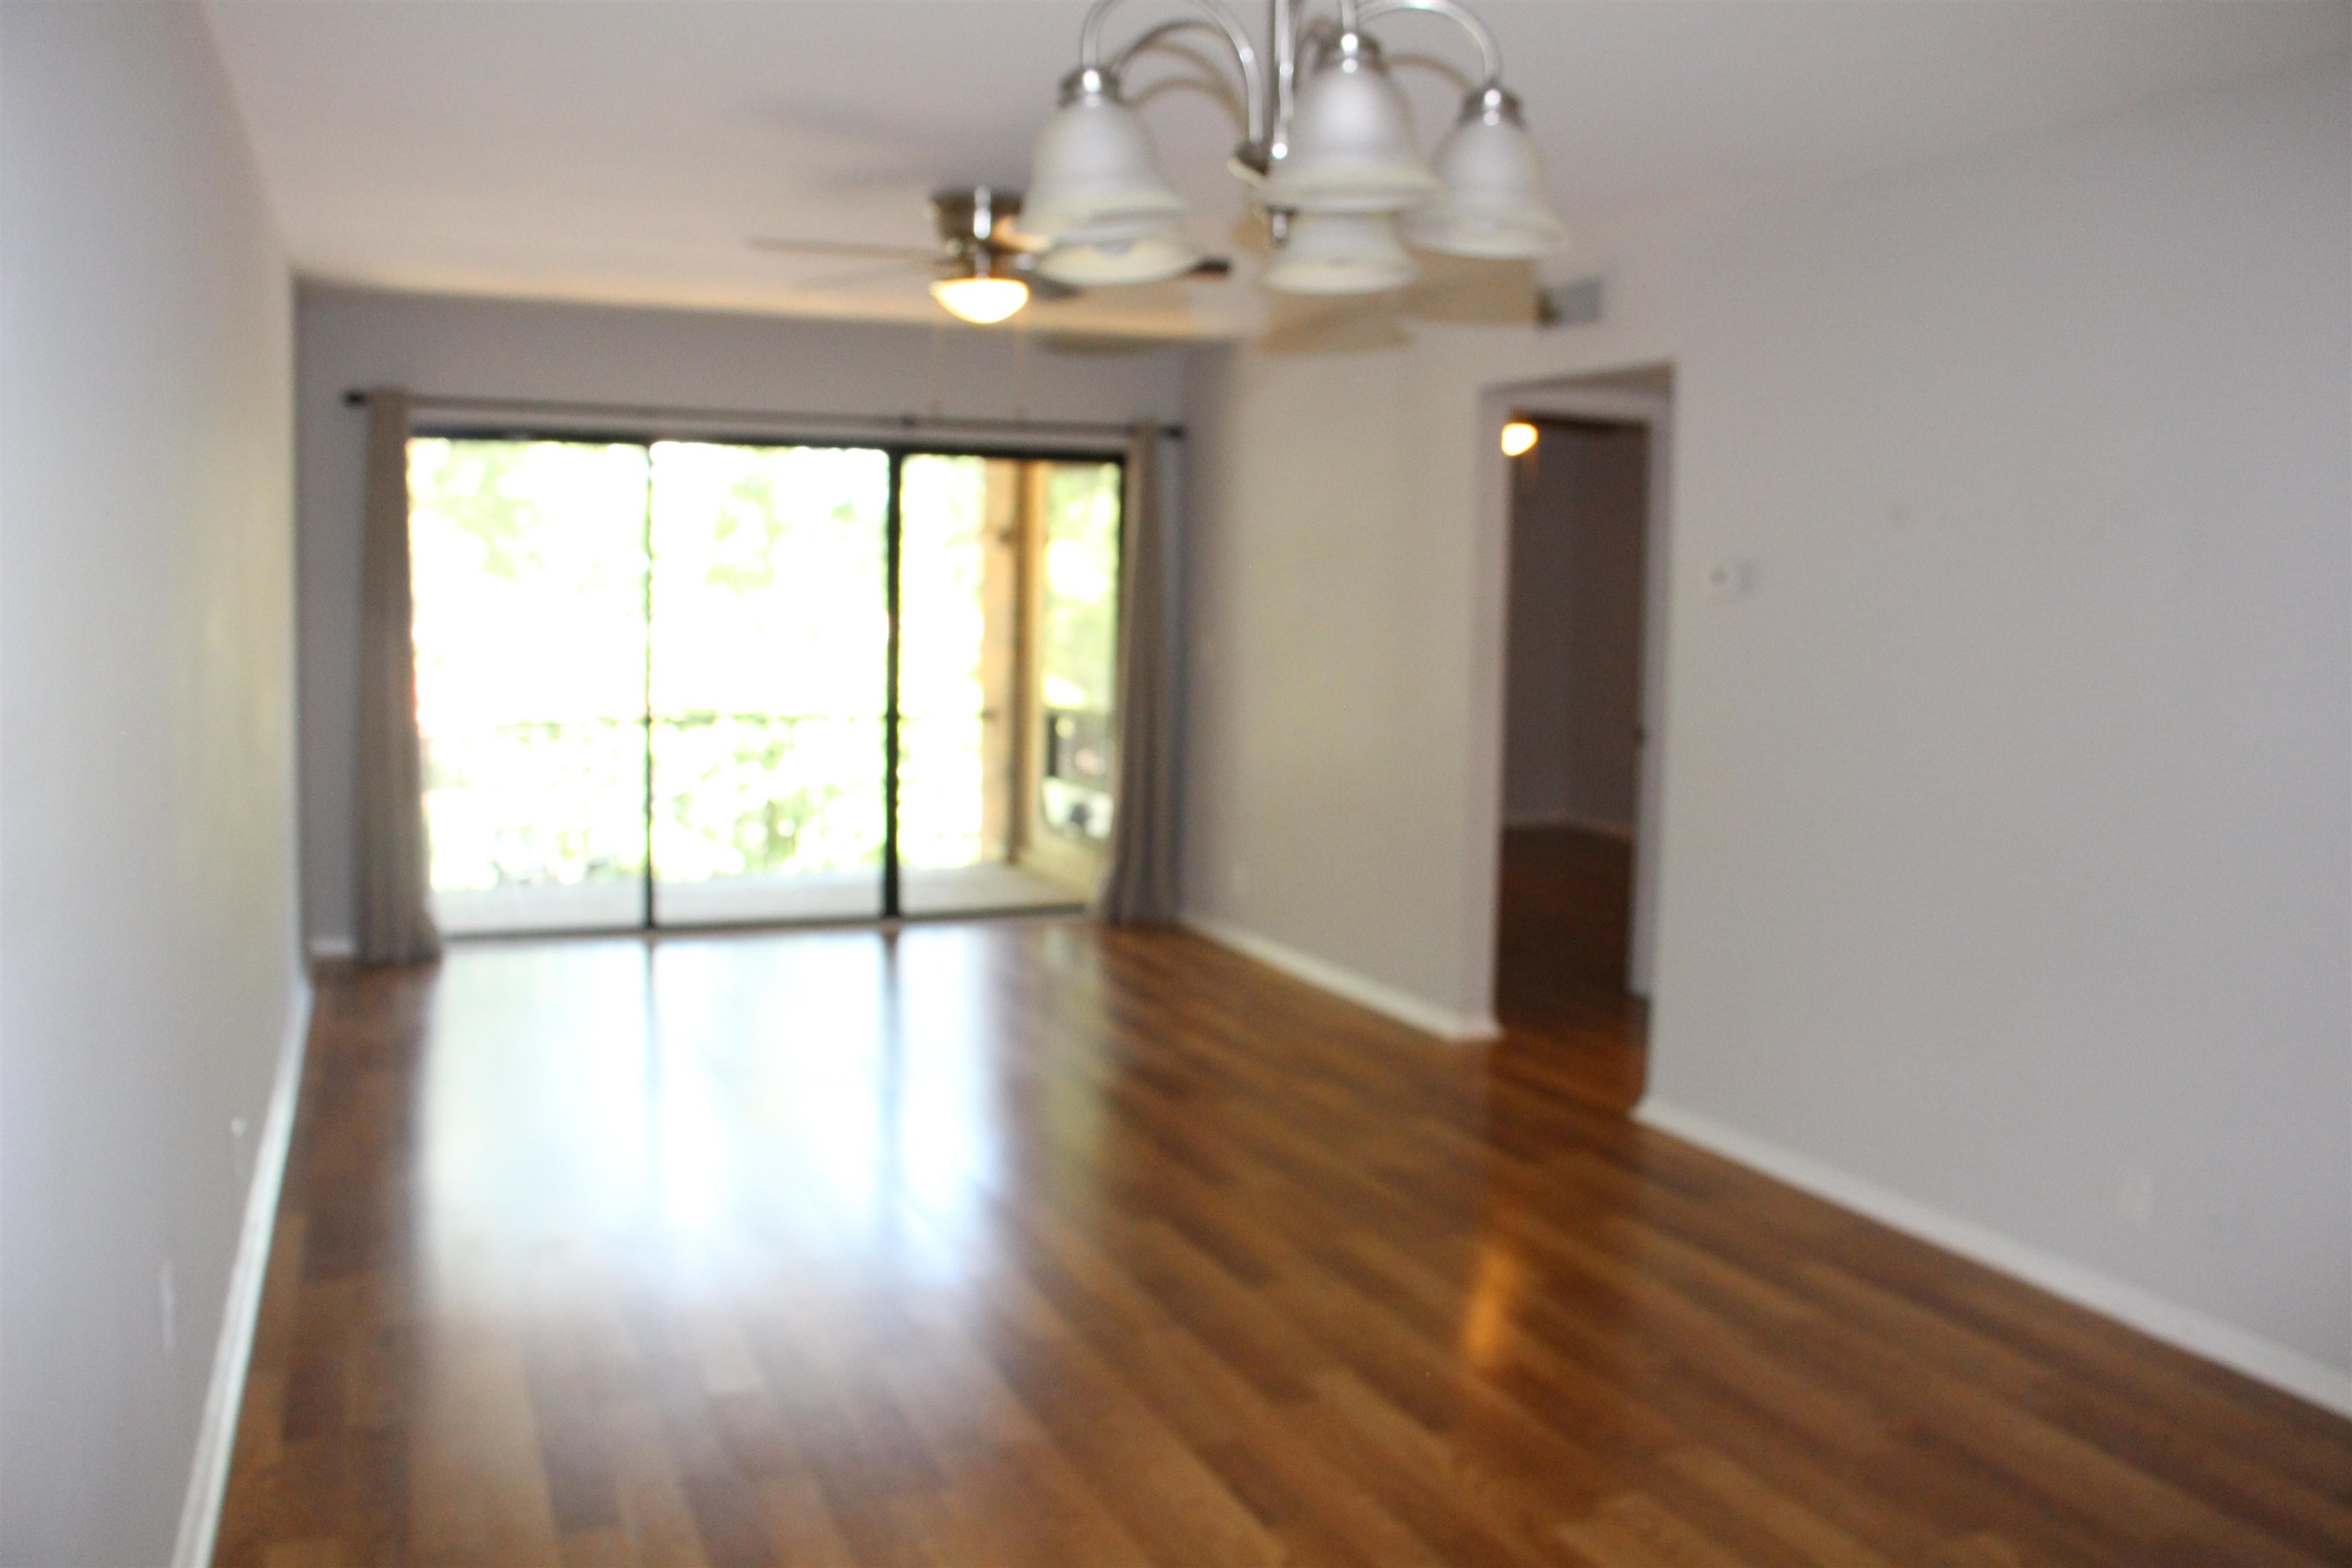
[1027, 1243]
[1562, 935]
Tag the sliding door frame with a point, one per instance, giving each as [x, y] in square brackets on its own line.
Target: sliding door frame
[893, 540]
[895, 451]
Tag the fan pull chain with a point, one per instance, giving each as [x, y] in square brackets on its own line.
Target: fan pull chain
[938, 399]
[1021, 367]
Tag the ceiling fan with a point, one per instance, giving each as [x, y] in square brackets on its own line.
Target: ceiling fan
[986, 267]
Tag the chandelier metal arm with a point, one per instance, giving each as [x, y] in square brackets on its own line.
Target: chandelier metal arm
[1214, 18]
[1269, 113]
[1154, 35]
[1285, 79]
[1490, 57]
[1252, 77]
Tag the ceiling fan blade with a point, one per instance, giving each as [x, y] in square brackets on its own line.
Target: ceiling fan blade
[842, 248]
[1049, 291]
[1213, 267]
[855, 275]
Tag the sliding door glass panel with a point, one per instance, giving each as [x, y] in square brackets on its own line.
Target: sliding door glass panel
[528, 565]
[770, 632]
[1076, 660]
[960, 609]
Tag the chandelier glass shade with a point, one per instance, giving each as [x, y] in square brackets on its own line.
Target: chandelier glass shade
[1094, 173]
[1493, 174]
[1351, 144]
[1147, 253]
[1330, 156]
[1340, 253]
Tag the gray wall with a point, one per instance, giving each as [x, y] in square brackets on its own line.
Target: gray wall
[2006, 868]
[585, 353]
[1572, 697]
[146, 684]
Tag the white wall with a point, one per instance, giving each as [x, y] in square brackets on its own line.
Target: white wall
[2007, 853]
[1572, 679]
[585, 353]
[147, 688]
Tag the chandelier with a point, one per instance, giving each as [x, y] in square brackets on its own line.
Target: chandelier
[1329, 156]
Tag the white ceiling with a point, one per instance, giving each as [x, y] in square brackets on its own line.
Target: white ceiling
[625, 152]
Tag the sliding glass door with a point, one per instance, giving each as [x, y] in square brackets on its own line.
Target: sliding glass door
[1008, 655]
[1075, 655]
[667, 682]
[529, 562]
[771, 634]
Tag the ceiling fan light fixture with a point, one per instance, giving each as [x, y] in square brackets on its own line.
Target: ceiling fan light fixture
[1094, 165]
[1351, 144]
[1495, 206]
[982, 300]
[1340, 253]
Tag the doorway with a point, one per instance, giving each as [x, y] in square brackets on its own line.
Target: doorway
[672, 683]
[1574, 732]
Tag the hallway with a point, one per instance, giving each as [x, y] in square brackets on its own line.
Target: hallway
[1032, 1243]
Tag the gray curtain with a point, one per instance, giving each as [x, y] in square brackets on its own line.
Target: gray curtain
[1139, 885]
[390, 859]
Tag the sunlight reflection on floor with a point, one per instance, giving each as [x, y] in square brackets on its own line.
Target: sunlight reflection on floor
[830, 1097]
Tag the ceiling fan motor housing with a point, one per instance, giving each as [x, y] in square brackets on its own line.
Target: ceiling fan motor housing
[980, 217]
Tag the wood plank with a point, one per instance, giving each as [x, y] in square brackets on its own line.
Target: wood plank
[1034, 1244]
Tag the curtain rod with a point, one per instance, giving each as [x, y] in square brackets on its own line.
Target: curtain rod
[358, 396]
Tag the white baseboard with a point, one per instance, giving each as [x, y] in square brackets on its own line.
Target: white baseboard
[2261, 1359]
[332, 949]
[200, 1512]
[1404, 1007]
